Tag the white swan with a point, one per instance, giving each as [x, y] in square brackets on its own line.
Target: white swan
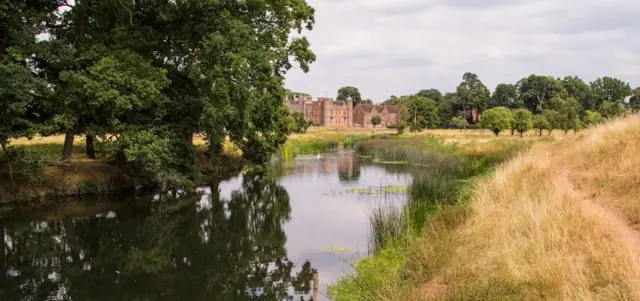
[318, 156]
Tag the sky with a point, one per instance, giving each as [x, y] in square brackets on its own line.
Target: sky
[398, 47]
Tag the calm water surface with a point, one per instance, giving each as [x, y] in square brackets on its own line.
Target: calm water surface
[248, 238]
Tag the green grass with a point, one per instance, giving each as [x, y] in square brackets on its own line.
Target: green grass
[372, 276]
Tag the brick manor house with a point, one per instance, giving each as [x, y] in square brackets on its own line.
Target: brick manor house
[341, 113]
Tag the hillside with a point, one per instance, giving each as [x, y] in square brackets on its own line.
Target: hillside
[559, 222]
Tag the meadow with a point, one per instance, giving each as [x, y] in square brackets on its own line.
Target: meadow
[555, 222]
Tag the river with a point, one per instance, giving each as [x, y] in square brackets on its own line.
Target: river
[251, 237]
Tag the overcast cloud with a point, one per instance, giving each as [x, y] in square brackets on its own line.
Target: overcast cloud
[396, 47]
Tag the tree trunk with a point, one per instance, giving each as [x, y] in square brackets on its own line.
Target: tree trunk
[522, 135]
[566, 132]
[540, 133]
[190, 138]
[91, 148]
[550, 132]
[513, 132]
[68, 145]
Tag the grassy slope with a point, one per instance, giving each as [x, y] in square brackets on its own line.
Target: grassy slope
[557, 223]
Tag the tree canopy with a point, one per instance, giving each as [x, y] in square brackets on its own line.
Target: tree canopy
[496, 119]
[349, 91]
[153, 72]
[473, 93]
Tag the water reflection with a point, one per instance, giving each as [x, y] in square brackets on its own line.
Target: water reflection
[248, 238]
[189, 248]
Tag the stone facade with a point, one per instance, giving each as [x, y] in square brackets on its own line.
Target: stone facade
[324, 111]
[327, 112]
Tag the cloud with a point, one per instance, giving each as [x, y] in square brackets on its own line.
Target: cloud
[397, 47]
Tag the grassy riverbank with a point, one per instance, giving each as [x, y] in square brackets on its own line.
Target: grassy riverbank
[446, 169]
[81, 175]
[558, 222]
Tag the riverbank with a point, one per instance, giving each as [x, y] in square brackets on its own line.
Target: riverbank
[446, 169]
[50, 178]
[556, 223]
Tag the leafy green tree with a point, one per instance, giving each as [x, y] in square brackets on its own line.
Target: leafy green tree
[610, 109]
[536, 91]
[554, 119]
[367, 101]
[349, 91]
[421, 113]
[458, 122]
[376, 120]
[393, 100]
[540, 123]
[578, 89]
[634, 100]
[592, 118]
[496, 119]
[402, 125]
[473, 93]
[522, 121]
[505, 95]
[21, 91]
[445, 111]
[300, 124]
[434, 94]
[609, 89]
[568, 113]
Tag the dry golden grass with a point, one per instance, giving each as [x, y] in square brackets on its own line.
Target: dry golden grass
[556, 223]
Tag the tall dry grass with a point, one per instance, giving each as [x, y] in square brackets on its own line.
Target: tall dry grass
[554, 224]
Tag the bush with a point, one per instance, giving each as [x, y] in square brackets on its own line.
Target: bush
[26, 163]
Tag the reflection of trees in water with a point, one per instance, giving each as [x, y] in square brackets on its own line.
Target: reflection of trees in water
[172, 250]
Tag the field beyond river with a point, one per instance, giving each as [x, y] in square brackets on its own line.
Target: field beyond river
[556, 222]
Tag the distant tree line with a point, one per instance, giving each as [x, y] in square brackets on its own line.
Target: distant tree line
[142, 77]
[534, 102]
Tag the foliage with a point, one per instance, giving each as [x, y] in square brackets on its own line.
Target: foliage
[610, 109]
[608, 89]
[473, 93]
[300, 124]
[536, 91]
[568, 113]
[522, 121]
[540, 122]
[434, 94]
[578, 89]
[496, 119]
[149, 156]
[376, 120]
[421, 112]
[634, 100]
[348, 91]
[553, 117]
[445, 111]
[506, 95]
[458, 122]
[592, 118]
[26, 163]
[126, 70]
[402, 125]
